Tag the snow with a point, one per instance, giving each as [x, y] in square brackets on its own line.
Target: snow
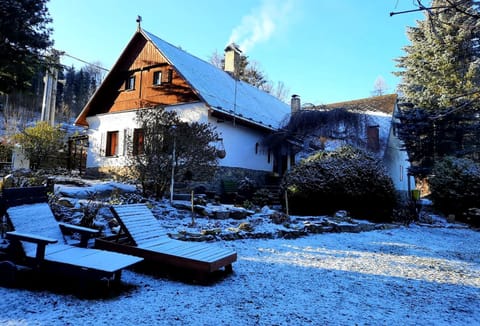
[415, 275]
[221, 91]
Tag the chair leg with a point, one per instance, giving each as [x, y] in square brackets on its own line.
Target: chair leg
[117, 278]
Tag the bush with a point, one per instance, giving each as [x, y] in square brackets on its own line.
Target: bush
[346, 179]
[455, 185]
[43, 145]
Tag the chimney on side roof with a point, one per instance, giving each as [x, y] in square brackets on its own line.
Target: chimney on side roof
[232, 59]
[295, 103]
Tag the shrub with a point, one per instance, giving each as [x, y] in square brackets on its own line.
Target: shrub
[43, 145]
[455, 185]
[346, 179]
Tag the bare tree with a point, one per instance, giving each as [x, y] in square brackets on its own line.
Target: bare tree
[380, 87]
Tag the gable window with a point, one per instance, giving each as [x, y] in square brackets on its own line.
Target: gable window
[130, 83]
[138, 140]
[169, 76]
[157, 78]
[112, 143]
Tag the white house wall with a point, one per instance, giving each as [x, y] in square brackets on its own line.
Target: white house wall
[243, 147]
[397, 163]
[239, 142]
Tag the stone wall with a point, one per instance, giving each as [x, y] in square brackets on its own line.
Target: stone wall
[213, 185]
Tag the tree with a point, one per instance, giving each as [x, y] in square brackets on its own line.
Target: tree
[42, 145]
[441, 82]
[380, 87]
[24, 36]
[441, 68]
[164, 141]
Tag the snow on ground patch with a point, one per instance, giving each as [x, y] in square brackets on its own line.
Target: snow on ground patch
[404, 276]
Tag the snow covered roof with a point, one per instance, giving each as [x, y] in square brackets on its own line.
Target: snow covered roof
[383, 103]
[221, 91]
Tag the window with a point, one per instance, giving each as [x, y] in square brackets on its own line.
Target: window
[138, 139]
[112, 143]
[169, 76]
[130, 83]
[157, 78]
[257, 145]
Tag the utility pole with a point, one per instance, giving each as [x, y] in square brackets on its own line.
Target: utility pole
[50, 89]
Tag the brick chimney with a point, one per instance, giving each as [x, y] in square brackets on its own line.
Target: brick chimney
[295, 103]
[232, 59]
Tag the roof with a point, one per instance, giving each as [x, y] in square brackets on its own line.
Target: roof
[383, 103]
[220, 90]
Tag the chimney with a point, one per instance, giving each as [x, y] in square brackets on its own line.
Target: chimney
[232, 59]
[295, 103]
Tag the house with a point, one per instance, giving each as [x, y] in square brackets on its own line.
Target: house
[151, 72]
[374, 129]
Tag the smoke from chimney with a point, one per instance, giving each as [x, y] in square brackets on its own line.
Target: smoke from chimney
[261, 24]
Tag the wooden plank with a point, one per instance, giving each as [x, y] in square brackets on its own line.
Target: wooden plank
[138, 220]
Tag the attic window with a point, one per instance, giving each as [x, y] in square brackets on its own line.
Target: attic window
[169, 76]
[130, 83]
[157, 78]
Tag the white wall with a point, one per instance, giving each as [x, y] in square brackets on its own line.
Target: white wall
[239, 142]
[19, 160]
[397, 163]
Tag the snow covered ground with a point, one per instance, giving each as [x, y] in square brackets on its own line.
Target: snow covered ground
[416, 275]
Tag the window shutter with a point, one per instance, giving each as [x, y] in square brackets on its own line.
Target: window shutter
[103, 144]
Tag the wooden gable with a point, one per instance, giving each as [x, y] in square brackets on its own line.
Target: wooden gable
[141, 78]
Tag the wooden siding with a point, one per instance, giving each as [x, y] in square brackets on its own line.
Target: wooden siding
[140, 59]
[145, 94]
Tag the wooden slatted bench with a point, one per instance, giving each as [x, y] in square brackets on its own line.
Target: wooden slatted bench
[39, 242]
[142, 236]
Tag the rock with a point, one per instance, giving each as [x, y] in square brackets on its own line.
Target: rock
[8, 181]
[245, 226]
[451, 218]
[341, 214]
[280, 218]
[212, 231]
[66, 202]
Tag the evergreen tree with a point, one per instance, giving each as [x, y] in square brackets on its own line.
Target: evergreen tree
[441, 81]
[24, 36]
[441, 68]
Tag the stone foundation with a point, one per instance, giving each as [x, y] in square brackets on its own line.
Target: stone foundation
[213, 185]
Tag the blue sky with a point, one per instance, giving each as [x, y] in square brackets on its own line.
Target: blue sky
[323, 50]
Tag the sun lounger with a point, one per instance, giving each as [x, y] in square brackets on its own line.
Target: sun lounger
[37, 241]
[142, 235]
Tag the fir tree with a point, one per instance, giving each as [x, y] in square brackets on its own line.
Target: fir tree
[441, 81]
[24, 35]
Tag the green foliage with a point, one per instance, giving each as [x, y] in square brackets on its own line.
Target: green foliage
[441, 82]
[440, 68]
[246, 187]
[43, 145]
[455, 185]
[24, 36]
[5, 152]
[345, 179]
[195, 154]
[79, 86]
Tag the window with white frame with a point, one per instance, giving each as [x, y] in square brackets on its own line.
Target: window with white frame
[157, 78]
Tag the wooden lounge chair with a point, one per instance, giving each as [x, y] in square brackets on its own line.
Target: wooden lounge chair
[141, 235]
[37, 241]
